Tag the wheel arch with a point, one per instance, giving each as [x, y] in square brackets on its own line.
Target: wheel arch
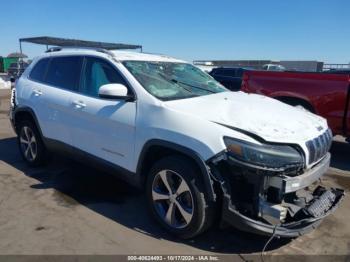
[22, 113]
[155, 149]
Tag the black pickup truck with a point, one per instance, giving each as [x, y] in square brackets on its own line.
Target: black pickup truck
[230, 77]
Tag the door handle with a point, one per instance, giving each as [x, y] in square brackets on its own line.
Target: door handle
[78, 104]
[37, 92]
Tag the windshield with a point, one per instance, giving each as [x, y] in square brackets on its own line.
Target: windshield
[170, 81]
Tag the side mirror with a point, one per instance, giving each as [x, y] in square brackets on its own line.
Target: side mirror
[114, 91]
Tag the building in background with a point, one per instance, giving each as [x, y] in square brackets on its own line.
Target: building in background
[308, 66]
[5, 63]
[336, 67]
[13, 58]
[209, 64]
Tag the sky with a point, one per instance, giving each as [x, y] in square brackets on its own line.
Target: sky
[190, 30]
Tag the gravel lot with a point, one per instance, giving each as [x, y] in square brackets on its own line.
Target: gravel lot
[67, 208]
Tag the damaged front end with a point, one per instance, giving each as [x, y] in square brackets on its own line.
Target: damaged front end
[268, 190]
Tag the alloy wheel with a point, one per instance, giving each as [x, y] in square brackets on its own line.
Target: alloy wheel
[172, 198]
[28, 143]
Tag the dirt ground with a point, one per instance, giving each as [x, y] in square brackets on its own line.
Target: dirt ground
[68, 208]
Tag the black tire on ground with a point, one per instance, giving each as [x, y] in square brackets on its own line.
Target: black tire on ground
[202, 210]
[38, 155]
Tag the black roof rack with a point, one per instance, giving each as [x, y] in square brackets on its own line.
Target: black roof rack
[64, 42]
[58, 48]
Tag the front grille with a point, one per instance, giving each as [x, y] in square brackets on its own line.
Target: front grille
[319, 146]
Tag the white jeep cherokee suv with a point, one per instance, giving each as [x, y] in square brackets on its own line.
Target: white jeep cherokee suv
[199, 150]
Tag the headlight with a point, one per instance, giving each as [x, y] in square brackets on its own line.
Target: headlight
[270, 156]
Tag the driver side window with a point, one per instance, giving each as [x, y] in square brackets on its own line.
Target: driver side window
[98, 72]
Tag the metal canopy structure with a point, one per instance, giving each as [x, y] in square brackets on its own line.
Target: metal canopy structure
[64, 42]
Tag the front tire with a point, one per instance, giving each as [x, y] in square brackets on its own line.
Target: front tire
[177, 197]
[30, 144]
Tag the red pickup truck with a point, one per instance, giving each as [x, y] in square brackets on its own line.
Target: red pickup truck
[327, 95]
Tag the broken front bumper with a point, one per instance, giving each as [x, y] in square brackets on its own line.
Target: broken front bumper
[293, 229]
[265, 211]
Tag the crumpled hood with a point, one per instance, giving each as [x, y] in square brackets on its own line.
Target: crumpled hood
[265, 117]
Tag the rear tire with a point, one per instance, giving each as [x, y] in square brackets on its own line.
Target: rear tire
[177, 197]
[30, 144]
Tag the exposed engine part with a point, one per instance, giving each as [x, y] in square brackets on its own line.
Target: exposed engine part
[273, 213]
[267, 203]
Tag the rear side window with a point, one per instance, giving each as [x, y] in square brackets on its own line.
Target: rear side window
[97, 73]
[64, 72]
[39, 70]
[216, 71]
[239, 72]
[213, 71]
[225, 72]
